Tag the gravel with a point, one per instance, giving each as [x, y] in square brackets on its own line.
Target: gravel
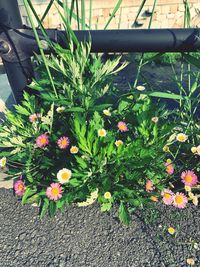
[85, 237]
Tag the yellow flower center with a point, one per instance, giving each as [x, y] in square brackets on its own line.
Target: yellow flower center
[43, 140]
[149, 186]
[65, 176]
[194, 149]
[74, 149]
[107, 195]
[122, 127]
[169, 168]
[167, 195]
[3, 162]
[181, 137]
[64, 142]
[188, 178]
[179, 199]
[171, 230]
[20, 187]
[102, 132]
[166, 149]
[34, 117]
[54, 191]
[119, 142]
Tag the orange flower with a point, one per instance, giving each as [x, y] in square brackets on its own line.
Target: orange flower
[153, 198]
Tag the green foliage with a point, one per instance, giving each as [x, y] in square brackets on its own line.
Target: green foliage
[123, 214]
[78, 108]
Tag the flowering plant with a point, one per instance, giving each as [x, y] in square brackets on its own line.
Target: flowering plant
[79, 139]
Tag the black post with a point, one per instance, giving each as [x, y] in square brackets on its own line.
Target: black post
[20, 71]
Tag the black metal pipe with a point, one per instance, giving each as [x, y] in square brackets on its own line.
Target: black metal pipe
[23, 44]
[154, 40]
[20, 71]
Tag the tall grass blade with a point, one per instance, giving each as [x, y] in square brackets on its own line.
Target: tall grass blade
[90, 15]
[187, 15]
[47, 10]
[39, 45]
[120, 18]
[69, 31]
[113, 13]
[39, 22]
[192, 60]
[153, 58]
[140, 9]
[153, 10]
[83, 14]
[77, 14]
[71, 10]
[66, 11]
[74, 15]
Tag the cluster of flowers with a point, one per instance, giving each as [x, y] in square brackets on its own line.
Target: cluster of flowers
[179, 200]
[55, 190]
[182, 138]
[63, 143]
[122, 127]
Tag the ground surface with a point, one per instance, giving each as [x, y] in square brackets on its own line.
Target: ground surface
[85, 237]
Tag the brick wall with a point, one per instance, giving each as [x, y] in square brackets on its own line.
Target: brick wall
[168, 14]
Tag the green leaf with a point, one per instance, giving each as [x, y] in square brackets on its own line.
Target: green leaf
[52, 208]
[75, 109]
[165, 95]
[60, 203]
[192, 60]
[69, 197]
[106, 206]
[100, 107]
[81, 162]
[123, 214]
[153, 58]
[75, 182]
[110, 149]
[123, 105]
[44, 207]
[21, 110]
[29, 177]
[27, 194]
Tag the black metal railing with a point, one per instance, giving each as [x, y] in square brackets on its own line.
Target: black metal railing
[17, 44]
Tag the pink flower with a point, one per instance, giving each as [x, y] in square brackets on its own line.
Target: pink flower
[149, 186]
[168, 196]
[63, 142]
[169, 167]
[180, 200]
[34, 117]
[122, 126]
[42, 140]
[189, 178]
[54, 191]
[19, 187]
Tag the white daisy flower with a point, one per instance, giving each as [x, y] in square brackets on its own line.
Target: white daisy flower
[64, 175]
